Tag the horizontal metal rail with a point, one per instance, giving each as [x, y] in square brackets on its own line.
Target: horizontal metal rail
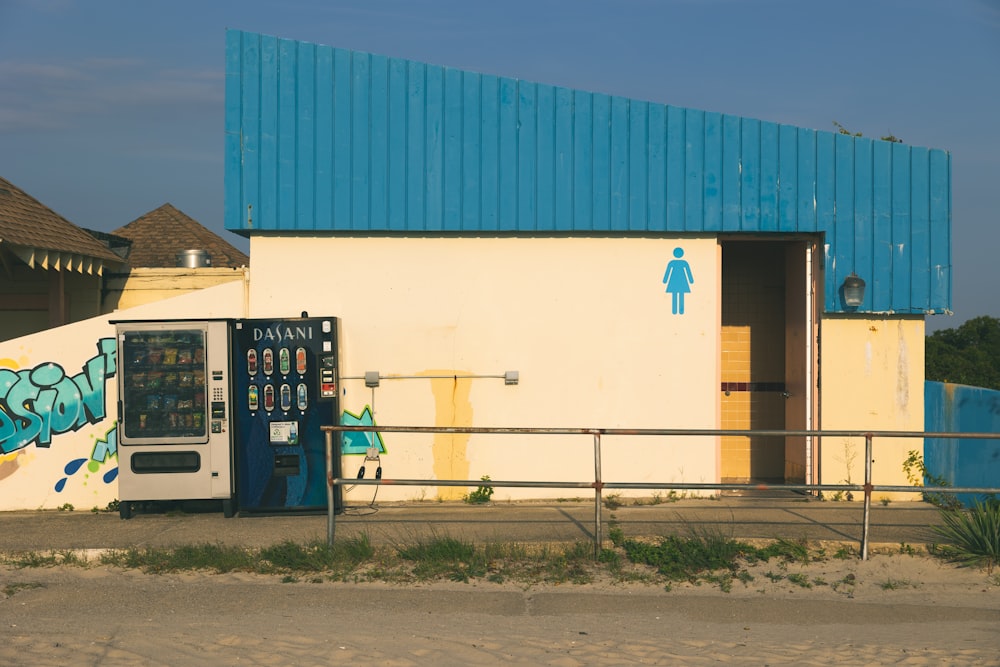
[599, 484]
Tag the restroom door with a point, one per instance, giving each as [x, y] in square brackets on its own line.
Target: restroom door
[764, 367]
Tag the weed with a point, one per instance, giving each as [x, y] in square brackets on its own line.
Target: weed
[213, 557]
[774, 576]
[445, 557]
[848, 582]
[66, 507]
[906, 549]
[613, 501]
[481, 495]
[10, 589]
[658, 498]
[572, 564]
[850, 455]
[49, 559]
[315, 557]
[891, 584]
[918, 475]
[110, 507]
[683, 559]
[885, 501]
[724, 581]
[800, 579]
[845, 553]
[973, 535]
[796, 551]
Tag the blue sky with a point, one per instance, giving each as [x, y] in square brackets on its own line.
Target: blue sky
[111, 108]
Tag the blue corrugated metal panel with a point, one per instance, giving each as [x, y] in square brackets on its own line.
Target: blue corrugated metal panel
[712, 183]
[940, 211]
[324, 139]
[883, 253]
[788, 179]
[732, 203]
[769, 181]
[864, 261]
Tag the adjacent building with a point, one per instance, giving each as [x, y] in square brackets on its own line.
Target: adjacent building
[171, 254]
[50, 269]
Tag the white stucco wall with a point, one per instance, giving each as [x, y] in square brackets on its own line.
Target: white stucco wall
[872, 379]
[62, 450]
[585, 321]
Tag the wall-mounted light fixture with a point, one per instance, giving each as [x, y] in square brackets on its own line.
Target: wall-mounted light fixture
[511, 377]
[854, 290]
[371, 378]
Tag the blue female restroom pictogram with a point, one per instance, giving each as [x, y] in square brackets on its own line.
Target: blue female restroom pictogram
[678, 279]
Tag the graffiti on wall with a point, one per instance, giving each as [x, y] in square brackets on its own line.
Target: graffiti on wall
[105, 449]
[41, 403]
[358, 442]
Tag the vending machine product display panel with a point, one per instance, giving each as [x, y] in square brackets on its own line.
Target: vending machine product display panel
[173, 412]
[280, 406]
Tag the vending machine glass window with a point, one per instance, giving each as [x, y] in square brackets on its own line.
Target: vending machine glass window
[163, 385]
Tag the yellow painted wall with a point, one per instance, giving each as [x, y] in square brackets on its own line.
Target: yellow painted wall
[585, 321]
[872, 378]
[147, 285]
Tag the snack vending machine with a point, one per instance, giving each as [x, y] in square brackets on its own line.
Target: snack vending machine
[285, 389]
[174, 414]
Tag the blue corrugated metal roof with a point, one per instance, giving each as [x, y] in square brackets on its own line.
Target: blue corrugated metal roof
[326, 139]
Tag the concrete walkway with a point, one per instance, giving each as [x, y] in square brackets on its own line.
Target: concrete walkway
[398, 523]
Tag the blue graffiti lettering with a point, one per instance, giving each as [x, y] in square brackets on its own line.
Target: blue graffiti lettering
[42, 402]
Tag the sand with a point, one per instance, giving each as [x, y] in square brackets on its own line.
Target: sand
[891, 609]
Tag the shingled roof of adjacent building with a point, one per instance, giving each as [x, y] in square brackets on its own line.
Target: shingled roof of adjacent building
[159, 235]
[40, 237]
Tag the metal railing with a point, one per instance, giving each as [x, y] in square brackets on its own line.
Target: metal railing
[599, 484]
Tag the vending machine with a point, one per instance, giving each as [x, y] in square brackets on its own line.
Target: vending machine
[174, 413]
[285, 389]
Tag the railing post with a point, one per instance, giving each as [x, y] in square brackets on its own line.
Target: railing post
[868, 495]
[598, 485]
[330, 510]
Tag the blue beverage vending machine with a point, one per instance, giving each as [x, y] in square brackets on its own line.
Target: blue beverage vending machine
[285, 388]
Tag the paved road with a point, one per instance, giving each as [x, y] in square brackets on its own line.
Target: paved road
[739, 517]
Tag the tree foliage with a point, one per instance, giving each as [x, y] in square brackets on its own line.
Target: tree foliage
[968, 355]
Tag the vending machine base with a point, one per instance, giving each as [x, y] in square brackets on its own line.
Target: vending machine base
[127, 508]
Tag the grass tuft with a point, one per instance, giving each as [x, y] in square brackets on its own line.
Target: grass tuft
[972, 535]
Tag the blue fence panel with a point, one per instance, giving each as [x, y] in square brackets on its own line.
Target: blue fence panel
[955, 408]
